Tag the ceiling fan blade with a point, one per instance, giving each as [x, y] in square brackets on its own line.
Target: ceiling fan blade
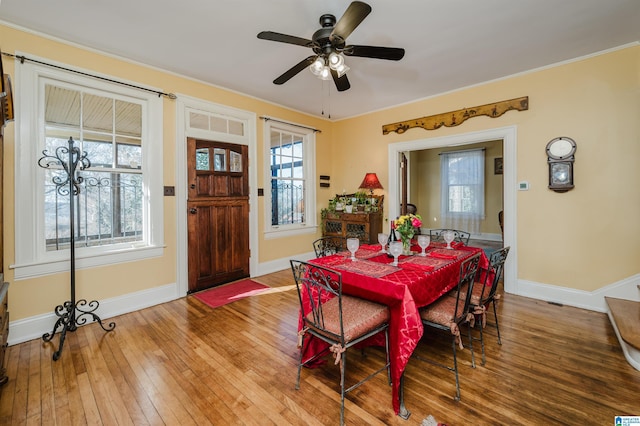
[377, 52]
[342, 83]
[284, 38]
[294, 70]
[353, 16]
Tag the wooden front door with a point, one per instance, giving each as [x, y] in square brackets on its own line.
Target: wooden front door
[218, 213]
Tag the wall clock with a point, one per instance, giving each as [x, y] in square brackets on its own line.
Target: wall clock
[560, 157]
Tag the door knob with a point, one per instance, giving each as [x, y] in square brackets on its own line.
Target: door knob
[193, 210]
[192, 186]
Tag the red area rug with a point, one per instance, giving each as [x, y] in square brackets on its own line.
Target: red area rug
[228, 293]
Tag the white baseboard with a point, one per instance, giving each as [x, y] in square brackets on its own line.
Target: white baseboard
[486, 237]
[34, 327]
[593, 301]
[280, 264]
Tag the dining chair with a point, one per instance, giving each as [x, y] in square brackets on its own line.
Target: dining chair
[485, 292]
[448, 313]
[329, 245]
[460, 236]
[337, 319]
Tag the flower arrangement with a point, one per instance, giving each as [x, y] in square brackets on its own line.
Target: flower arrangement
[406, 225]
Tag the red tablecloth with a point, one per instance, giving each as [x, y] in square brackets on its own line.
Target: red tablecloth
[415, 282]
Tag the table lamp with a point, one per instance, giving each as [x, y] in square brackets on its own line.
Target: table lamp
[370, 182]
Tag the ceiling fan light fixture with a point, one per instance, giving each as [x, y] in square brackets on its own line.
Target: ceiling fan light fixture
[342, 70]
[325, 74]
[335, 60]
[317, 66]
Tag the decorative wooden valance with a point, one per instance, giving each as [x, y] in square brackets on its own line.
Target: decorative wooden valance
[455, 118]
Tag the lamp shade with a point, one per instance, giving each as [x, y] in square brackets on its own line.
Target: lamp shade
[371, 182]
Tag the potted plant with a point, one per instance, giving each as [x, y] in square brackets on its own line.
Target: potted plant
[361, 197]
[348, 206]
[333, 203]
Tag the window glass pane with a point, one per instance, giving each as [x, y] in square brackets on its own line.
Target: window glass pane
[97, 113]
[236, 128]
[297, 149]
[218, 124]
[53, 142]
[198, 121]
[99, 153]
[287, 147]
[286, 169]
[129, 156]
[287, 198]
[128, 118]
[202, 159]
[219, 160]
[56, 211]
[62, 106]
[275, 139]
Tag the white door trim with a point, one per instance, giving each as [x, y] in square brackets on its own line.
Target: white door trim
[183, 103]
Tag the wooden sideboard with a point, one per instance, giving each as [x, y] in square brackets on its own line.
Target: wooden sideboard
[364, 226]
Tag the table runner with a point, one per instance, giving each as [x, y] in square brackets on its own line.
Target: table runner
[368, 268]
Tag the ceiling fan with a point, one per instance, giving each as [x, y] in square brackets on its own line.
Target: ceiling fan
[329, 45]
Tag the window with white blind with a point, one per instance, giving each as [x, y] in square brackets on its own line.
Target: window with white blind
[117, 211]
[462, 189]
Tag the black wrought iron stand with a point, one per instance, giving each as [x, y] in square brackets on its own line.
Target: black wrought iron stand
[71, 313]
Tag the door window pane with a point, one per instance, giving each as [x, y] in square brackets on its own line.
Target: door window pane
[202, 159]
[236, 161]
[219, 160]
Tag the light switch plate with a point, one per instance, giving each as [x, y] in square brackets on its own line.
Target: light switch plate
[523, 186]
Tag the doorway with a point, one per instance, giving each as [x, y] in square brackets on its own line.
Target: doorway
[509, 137]
[206, 120]
[218, 219]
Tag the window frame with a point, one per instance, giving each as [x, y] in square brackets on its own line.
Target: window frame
[31, 256]
[308, 143]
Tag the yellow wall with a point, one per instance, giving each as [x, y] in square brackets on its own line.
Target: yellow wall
[584, 239]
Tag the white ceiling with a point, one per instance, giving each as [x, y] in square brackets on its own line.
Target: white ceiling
[449, 43]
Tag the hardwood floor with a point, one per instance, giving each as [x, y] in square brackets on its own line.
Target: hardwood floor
[184, 363]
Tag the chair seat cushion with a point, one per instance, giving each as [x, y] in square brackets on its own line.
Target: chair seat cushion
[442, 311]
[359, 316]
[476, 293]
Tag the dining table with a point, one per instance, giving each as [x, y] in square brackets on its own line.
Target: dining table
[417, 280]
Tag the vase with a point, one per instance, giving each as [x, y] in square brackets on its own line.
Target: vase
[406, 244]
